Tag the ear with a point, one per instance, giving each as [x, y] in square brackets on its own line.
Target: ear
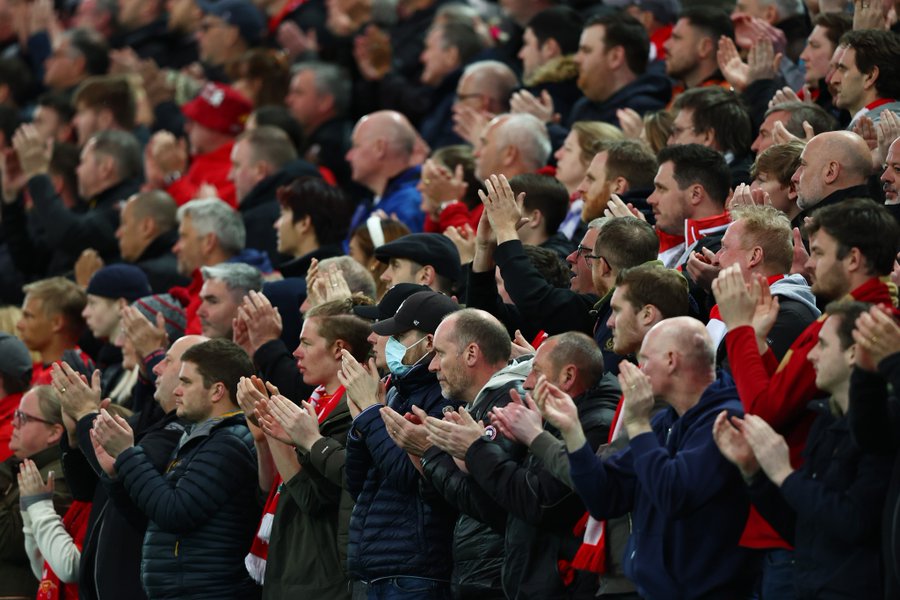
[709, 138]
[470, 354]
[770, 14]
[615, 57]
[107, 166]
[217, 392]
[535, 219]
[649, 315]
[567, 376]
[869, 79]
[339, 346]
[4, 93]
[57, 323]
[147, 227]
[453, 57]
[120, 304]
[380, 147]
[56, 433]
[832, 171]
[697, 193]
[303, 225]
[509, 154]
[429, 342]
[550, 49]
[792, 191]
[756, 256]
[706, 47]
[426, 275]
[619, 185]
[208, 243]
[855, 261]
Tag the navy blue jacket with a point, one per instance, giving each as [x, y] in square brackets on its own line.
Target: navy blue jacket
[830, 510]
[687, 502]
[203, 512]
[394, 531]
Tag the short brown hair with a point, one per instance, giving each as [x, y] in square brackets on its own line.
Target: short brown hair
[220, 361]
[780, 161]
[591, 133]
[112, 92]
[666, 289]
[476, 326]
[633, 161]
[769, 228]
[60, 296]
[627, 242]
[335, 321]
[576, 348]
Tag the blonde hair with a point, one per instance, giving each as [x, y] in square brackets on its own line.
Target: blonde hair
[770, 229]
[590, 134]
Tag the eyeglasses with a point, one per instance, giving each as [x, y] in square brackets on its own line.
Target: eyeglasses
[677, 131]
[21, 418]
[584, 252]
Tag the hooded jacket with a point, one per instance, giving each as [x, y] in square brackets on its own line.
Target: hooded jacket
[687, 502]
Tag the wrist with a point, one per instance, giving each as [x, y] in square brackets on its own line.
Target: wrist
[574, 438]
[635, 427]
[506, 234]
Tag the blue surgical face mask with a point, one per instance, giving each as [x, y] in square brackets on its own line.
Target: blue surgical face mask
[394, 351]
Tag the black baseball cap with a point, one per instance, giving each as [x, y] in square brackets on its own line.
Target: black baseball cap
[390, 302]
[423, 311]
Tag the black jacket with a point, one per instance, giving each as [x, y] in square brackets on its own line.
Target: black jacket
[205, 505]
[160, 265]
[394, 531]
[65, 233]
[874, 420]
[478, 554]
[542, 509]
[260, 209]
[829, 510]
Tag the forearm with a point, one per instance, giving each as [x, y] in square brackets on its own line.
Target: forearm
[55, 543]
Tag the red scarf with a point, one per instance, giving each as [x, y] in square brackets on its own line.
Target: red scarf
[255, 561]
[75, 522]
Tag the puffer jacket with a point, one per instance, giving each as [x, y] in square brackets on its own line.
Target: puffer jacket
[203, 512]
[542, 509]
[478, 552]
[307, 548]
[394, 531]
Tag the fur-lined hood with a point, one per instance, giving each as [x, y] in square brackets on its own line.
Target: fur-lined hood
[555, 70]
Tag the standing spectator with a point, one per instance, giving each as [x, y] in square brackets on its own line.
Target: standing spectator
[15, 379]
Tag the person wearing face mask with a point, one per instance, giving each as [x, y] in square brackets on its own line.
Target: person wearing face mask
[399, 540]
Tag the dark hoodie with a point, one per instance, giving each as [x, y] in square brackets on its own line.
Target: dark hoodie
[687, 502]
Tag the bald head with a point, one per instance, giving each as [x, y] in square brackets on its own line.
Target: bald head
[686, 337]
[491, 79]
[384, 144]
[831, 161]
[395, 129]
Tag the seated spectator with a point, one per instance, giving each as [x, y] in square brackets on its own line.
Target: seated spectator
[263, 160]
[144, 28]
[108, 173]
[483, 90]
[425, 258]
[224, 288]
[214, 118]
[51, 325]
[803, 503]
[828, 29]
[103, 103]
[262, 76]
[15, 379]
[147, 233]
[206, 502]
[37, 430]
[671, 477]
[714, 117]
[383, 145]
[450, 196]
[110, 290]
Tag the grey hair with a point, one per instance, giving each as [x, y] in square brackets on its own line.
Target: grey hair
[527, 133]
[211, 215]
[123, 148]
[236, 276]
[329, 79]
[785, 8]
[359, 279]
[598, 223]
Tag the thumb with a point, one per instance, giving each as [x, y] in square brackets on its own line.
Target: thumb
[546, 98]
[808, 130]
[709, 254]
[95, 380]
[798, 239]
[50, 478]
[458, 173]
[105, 403]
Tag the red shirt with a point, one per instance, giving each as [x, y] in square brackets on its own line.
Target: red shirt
[211, 168]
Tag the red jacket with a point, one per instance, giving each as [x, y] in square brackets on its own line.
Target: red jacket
[779, 393]
[212, 168]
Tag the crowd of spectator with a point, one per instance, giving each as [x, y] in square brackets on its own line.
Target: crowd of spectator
[433, 299]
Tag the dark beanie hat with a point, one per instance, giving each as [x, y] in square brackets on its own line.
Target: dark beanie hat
[119, 281]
